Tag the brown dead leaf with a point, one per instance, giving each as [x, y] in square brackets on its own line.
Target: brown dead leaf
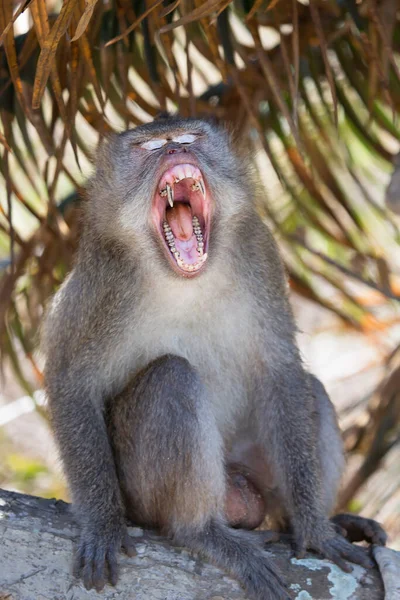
[41, 23]
[49, 49]
[200, 12]
[23, 6]
[85, 18]
[134, 24]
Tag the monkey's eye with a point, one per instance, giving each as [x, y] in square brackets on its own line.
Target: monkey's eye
[153, 144]
[185, 139]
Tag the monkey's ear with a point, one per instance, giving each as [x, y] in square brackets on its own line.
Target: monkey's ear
[164, 114]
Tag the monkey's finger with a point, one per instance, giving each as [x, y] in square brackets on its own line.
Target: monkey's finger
[340, 530]
[99, 567]
[334, 556]
[87, 572]
[79, 561]
[353, 553]
[299, 547]
[128, 545]
[112, 567]
[374, 533]
[379, 538]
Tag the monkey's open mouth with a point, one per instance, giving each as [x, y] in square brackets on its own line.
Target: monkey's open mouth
[181, 214]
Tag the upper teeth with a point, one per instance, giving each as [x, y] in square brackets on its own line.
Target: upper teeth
[177, 174]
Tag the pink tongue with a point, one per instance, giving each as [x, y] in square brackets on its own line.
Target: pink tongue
[180, 220]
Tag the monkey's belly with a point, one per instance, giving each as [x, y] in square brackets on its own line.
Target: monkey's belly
[244, 505]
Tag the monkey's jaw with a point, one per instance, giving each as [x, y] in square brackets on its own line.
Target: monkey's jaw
[181, 214]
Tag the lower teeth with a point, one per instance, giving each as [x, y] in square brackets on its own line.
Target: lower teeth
[200, 245]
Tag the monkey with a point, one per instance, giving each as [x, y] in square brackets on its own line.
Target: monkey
[176, 390]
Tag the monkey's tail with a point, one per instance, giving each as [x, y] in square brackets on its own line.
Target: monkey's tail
[237, 552]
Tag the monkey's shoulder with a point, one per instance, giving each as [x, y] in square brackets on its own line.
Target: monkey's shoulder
[77, 312]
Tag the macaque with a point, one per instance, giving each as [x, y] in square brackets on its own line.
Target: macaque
[176, 389]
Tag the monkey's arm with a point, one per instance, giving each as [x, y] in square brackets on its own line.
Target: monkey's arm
[76, 340]
[88, 462]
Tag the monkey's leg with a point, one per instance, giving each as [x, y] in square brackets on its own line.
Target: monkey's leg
[170, 463]
[355, 528]
[291, 423]
[330, 450]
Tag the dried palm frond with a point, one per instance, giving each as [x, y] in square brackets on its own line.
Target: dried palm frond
[315, 87]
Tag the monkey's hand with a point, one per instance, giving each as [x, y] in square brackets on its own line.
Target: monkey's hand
[327, 542]
[96, 556]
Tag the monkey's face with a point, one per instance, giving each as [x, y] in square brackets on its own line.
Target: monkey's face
[178, 177]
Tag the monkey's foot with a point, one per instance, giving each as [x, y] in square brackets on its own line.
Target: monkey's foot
[96, 555]
[325, 541]
[359, 529]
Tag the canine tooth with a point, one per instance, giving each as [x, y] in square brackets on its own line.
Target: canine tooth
[201, 184]
[170, 194]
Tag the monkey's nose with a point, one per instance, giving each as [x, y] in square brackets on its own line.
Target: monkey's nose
[176, 150]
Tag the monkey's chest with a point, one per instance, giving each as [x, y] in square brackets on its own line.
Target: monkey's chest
[217, 336]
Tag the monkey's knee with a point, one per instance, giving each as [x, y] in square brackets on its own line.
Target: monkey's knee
[167, 447]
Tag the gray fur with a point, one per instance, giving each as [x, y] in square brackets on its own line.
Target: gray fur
[230, 366]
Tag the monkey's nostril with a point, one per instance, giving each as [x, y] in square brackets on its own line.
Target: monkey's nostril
[171, 151]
